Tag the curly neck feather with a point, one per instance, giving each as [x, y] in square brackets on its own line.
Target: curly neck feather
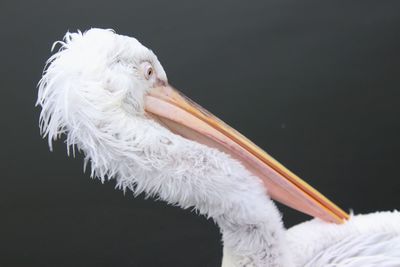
[121, 143]
[145, 157]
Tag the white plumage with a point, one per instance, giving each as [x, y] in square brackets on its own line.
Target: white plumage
[93, 92]
[365, 240]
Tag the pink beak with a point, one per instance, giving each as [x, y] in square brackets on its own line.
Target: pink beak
[186, 118]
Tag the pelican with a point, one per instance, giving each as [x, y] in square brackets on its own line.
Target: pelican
[109, 97]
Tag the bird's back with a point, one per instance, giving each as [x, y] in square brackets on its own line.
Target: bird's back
[365, 240]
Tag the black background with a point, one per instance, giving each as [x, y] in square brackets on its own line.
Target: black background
[315, 83]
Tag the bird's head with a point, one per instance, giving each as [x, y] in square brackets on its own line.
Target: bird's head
[100, 68]
[99, 78]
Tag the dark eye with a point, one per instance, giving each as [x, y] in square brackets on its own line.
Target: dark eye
[148, 70]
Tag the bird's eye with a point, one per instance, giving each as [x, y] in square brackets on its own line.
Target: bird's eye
[148, 71]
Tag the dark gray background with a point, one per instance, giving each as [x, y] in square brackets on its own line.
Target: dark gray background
[315, 83]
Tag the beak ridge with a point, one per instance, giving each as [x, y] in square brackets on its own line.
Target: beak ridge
[185, 117]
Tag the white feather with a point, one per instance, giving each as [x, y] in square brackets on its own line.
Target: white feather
[365, 240]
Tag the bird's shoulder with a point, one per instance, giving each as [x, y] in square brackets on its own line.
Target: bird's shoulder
[371, 238]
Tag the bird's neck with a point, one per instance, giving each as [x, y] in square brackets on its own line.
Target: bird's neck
[145, 157]
[253, 234]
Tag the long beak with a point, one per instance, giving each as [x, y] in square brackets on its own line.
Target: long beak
[184, 117]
